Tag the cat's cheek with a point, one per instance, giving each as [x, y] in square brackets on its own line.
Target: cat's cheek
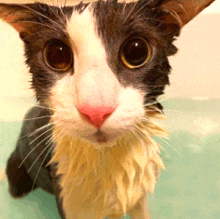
[62, 101]
[130, 109]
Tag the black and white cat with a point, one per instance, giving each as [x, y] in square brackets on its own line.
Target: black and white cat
[97, 70]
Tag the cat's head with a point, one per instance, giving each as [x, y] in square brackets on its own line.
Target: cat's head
[100, 66]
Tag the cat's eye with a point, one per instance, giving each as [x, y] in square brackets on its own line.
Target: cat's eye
[135, 52]
[58, 56]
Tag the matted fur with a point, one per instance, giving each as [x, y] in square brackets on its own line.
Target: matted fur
[109, 181]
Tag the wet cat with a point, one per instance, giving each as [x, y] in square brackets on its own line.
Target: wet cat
[97, 70]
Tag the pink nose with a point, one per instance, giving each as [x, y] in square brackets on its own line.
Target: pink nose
[96, 115]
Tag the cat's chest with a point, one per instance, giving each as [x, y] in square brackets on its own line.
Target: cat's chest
[107, 183]
[99, 193]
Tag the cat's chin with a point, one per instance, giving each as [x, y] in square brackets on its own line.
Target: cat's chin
[101, 139]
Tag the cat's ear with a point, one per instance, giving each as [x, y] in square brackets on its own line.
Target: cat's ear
[182, 11]
[17, 15]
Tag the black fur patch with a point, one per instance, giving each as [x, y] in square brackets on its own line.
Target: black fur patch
[49, 23]
[117, 22]
[27, 167]
[41, 23]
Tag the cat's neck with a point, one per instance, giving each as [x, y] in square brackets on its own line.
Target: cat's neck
[116, 176]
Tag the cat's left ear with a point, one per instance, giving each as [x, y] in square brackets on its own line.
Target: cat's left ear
[18, 16]
[183, 11]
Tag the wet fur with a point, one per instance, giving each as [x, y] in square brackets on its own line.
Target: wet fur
[111, 181]
[89, 181]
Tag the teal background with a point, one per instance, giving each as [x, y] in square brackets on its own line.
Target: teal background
[189, 188]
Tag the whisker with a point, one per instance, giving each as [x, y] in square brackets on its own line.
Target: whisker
[156, 86]
[54, 138]
[34, 22]
[124, 7]
[140, 8]
[190, 112]
[162, 100]
[36, 118]
[150, 104]
[56, 12]
[131, 11]
[39, 129]
[155, 102]
[47, 107]
[162, 139]
[138, 133]
[35, 179]
[62, 6]
[173, 148]
[35, 147]
[35, 131]
[44, 107]
[40, 154]
[42, 15]
[40, 135]
[176, 111]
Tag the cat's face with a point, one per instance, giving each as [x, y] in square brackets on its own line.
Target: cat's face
[99, 66]
[119, 66]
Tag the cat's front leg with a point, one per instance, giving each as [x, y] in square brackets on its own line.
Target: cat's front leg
[20, 182]
[140, 211]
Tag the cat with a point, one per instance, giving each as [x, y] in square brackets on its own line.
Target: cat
[97, 70]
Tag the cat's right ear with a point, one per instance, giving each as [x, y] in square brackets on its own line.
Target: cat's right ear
[183, 11]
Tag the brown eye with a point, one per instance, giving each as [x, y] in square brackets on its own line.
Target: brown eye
[58, 56]
[135, 52]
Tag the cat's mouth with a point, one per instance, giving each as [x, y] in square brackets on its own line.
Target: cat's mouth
[101, 137]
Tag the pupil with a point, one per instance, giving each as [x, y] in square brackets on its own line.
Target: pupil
[135, 51]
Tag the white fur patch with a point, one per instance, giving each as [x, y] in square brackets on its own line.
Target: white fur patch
[92, 83]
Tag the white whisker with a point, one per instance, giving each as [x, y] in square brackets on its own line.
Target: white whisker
[35, 147]
[37, 130]
[40, 135]
[37, 118]
[41, 166]
[38, 23]
[42, 15]
[173, 148]
[39, 156]
[131, 11]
